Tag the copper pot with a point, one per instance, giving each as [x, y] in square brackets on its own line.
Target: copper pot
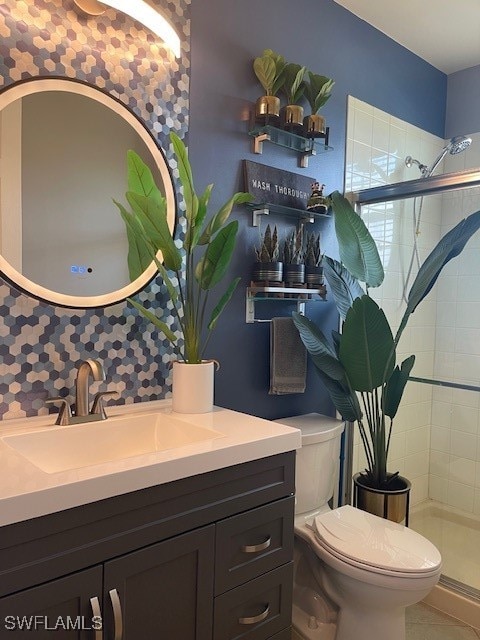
[293, 118]
[314, 126]
[267, 110]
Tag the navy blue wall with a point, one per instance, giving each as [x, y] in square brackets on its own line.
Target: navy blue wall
[226, 36]
[463, 102]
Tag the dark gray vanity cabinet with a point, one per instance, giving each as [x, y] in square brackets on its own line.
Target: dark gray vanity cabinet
[40, 611]
[202, 558]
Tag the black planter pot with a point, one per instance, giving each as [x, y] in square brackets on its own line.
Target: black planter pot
[313, 276]
[267, 272]
[392, 503]
[293, 274]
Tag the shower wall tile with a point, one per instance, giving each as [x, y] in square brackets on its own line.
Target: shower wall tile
[460, 496]
[377, 144]
[436, 439]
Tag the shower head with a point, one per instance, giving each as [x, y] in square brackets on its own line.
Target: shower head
[456, 145]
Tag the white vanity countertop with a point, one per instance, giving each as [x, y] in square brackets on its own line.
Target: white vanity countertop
[28, 492]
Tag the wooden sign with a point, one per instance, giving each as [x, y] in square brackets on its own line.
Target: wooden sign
[269, 185]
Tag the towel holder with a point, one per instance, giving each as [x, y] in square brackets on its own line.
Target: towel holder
[263, 294]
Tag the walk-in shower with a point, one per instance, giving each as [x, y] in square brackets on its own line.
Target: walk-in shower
[445, 387]
[436, 436]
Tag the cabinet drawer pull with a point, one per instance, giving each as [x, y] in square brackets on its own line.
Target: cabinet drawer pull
[255, 619]
[117, 614]
[255, 548]
[97, 615]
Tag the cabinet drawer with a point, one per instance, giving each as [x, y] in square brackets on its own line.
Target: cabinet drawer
[253, 543]
[256, 610]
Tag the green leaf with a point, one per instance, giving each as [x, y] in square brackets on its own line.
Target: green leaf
[212, 266]
[139, 253]
[152, 217]
[222, 303]
[318, 91]
[344, 400]
[186, 178]
[140, 179]
[367, 350]
[293, 84]
[358, 251]
[164, 328]
[322, 354]
[192, 236]
[266, 72]
[344, 287]
[220, 218]
[450, 246]
[395, 387]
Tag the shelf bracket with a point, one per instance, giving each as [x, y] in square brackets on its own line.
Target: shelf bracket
[303, 159]
[256, 215]
[300, 302]
[250, 309]
[258, 141]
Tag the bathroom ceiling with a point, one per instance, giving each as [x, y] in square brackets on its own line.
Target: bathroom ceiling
[445, 33]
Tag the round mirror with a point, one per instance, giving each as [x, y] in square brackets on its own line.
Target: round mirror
[63, 159]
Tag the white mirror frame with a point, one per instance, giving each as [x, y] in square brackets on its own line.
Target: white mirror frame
[28, 87]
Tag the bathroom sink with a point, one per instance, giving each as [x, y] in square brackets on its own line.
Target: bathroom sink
[57, 449]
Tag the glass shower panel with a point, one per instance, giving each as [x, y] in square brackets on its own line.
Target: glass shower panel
[436, 441]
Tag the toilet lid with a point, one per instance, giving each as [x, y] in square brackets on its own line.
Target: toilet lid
[363, 537]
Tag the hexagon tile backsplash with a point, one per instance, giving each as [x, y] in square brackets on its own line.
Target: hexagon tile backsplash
[40, 344]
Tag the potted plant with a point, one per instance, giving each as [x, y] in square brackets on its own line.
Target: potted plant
[268, 268]
[293, 265]
[313, 261]
[358, 366]
[269, 70]
[293, 87]
[188, 275]
[318, 90]
[317, 202]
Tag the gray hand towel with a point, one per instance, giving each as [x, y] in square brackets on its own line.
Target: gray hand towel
[288, 358]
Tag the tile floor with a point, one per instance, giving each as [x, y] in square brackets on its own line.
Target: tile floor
[426, 623]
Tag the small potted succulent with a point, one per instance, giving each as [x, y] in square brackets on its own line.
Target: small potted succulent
[269, 69]
[293, 264]
[318, 90]
[317, 202]
[293, 87]
[313, 261]
[268, 267]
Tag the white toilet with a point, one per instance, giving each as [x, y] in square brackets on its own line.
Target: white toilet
[354, 572]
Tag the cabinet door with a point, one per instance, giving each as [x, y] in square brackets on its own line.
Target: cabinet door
[63, 609]
[162, 591]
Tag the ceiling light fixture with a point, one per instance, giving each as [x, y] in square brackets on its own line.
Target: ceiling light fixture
[140, 11]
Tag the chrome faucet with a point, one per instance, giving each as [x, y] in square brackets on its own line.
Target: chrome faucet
[87, 369]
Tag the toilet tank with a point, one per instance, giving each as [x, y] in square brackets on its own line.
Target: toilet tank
[318, 460]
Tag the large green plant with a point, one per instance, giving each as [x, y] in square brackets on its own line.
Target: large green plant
[358, 366]
[207, 251]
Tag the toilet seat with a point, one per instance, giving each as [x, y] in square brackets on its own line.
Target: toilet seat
[375, 544]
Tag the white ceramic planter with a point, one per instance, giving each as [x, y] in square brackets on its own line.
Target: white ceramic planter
[192, 387]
